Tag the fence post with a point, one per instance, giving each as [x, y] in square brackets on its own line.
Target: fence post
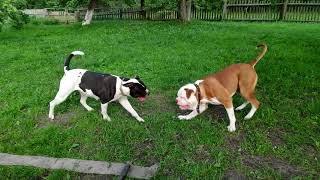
[142, 9]
[224, 10]
[121, 13]
[66, 16]
[283, 10]
[77, 15]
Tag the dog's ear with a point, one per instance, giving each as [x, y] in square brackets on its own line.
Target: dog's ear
[188, 92]
[128, 85]
[137, 77]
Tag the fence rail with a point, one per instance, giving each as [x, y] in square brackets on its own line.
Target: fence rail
[133, 13]
[231, 10]
[285, 10]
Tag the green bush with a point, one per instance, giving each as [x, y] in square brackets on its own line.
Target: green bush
[11, 15]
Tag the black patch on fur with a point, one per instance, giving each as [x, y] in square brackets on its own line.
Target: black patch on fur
[124, 79]
[102, 85]
[136, 89]
[67, 62]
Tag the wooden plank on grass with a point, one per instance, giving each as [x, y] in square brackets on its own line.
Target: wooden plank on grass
[77, 165]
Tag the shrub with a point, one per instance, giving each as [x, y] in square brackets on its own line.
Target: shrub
[10, 14]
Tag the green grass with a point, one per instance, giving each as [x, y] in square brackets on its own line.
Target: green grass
[281, 140]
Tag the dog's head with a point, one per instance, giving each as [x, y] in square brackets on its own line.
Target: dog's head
[137, 88]
[186, 97]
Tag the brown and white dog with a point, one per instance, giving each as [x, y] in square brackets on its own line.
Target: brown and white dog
[219, 88]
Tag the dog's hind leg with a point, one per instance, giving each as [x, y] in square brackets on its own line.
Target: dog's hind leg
[83, 101]
[249, 95]
[247, 87]
[65, 89]
[254, 105]
[242, 106]
[60, 97]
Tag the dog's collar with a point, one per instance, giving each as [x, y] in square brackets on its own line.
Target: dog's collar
[198, 96]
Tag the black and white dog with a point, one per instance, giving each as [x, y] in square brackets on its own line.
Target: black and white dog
[103, 87]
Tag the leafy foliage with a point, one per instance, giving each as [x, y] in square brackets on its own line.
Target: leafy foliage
[208, 4]
[169, 4]
[10, 14]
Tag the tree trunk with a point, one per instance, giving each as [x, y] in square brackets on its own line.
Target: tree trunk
[188, 10]
[142, 9]
[185, 10]
[89, 14]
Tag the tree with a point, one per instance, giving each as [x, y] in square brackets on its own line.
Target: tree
[185, 10]
[9, 14]
[89, 14]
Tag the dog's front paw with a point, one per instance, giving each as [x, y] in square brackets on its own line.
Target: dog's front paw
[248, 117]
[239, 108]
[106, 118]
[140, 119]
[90, 109]
[231, 128]
[51, 117]
[181, 117]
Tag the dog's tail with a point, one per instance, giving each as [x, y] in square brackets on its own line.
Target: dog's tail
[261, 54]
[67, 61]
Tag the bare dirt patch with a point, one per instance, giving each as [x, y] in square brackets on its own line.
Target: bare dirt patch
[234, 175]
[233, 141]
[142, 150]
[284, 168]
[61, 119]
[311, 151]
[160, 103]
[276, 136]
[219, 112]
[202, 155]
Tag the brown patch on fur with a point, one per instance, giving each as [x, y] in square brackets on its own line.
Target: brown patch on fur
[188, 92]
[225, 83]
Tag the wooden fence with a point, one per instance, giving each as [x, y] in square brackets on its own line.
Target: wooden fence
[267, 10]
[231, 10]
[132, 13]
[64, 15]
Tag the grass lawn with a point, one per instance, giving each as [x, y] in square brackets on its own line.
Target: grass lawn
[281, 140]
